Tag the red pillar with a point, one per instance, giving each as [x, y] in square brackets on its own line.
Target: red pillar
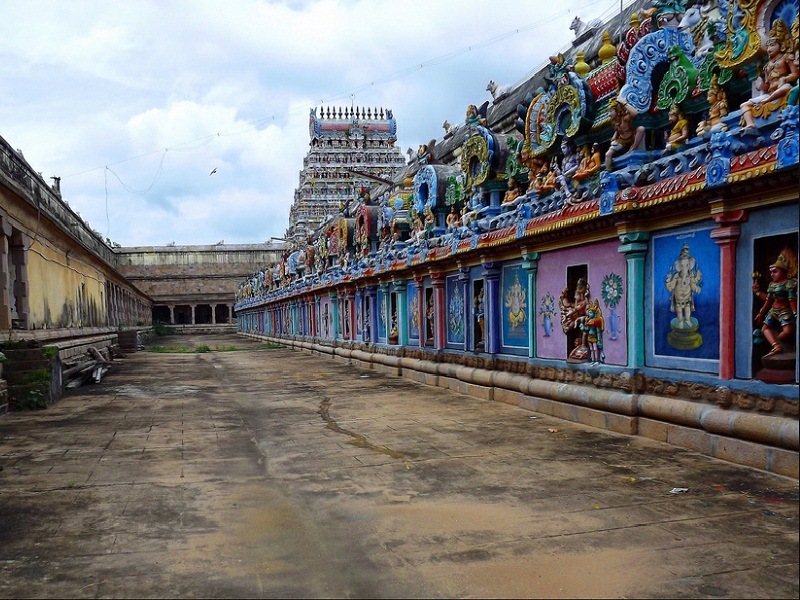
[726, 236]
[439, 311]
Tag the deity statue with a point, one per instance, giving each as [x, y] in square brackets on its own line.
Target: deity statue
[780, 74]
[718, 103]
[417, 228]
[539, 177]
[679, 133]
[513, 191]
[534, 165]
[573, 310]
[592, 328]
[569, 166]
[625, 137]
[683, 281]
[515, 301]
[778, 315]
[367, 322]
[467, 216]
[430, 312]
[793, 99]
[429, 223]
[591, 162]
[474, 118]
[453, 219]
[479, 307]
[549, 176]
[573, 317]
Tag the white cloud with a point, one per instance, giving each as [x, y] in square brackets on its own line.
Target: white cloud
[92, 84]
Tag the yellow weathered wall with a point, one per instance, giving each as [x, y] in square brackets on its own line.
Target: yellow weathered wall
[65, 291]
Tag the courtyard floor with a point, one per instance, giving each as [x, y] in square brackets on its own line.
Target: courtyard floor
[254, 471]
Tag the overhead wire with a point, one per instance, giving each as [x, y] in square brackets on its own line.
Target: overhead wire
[252, 126]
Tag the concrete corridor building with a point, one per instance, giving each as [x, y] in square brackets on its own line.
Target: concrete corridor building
[193, 285]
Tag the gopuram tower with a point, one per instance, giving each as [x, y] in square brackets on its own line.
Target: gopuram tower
[350, 148]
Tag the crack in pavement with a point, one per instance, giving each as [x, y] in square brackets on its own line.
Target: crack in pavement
[358, 440]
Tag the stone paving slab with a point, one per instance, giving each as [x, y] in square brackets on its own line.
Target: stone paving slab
[272, 473]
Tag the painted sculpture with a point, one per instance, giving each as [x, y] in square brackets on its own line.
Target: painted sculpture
[679, 133]
[592, 327]
[780, 74]
[595, 153]
[683, 282]
[718, 108]
[626, 136]
[778, 315]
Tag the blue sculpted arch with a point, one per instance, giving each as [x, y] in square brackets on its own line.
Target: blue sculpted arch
[649, 52]
[786, 10]
[425, 188]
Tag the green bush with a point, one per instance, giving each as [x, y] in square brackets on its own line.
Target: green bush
[160, 329]
[37, 377]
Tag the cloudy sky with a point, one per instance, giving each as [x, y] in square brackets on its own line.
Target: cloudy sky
[134, 103]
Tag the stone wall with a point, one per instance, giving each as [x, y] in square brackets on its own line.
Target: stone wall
[200, 274]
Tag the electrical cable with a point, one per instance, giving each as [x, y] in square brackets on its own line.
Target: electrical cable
[252, 126]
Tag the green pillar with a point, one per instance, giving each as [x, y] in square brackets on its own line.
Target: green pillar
[634, 247]
[335, 302]
[401, 286]
[530, 262]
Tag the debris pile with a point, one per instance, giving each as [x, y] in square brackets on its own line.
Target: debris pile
[91, 366]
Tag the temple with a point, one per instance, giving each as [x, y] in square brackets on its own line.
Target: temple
[612, 242]
[350, 149]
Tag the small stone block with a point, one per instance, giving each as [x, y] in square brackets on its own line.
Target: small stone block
[507, 396]
[693, 439]
[590, 417]
[654, 430]
[530, 403]
[622, 424]
[480, 391]
[785, 462]
[742, 452]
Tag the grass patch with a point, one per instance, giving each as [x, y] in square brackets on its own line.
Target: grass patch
[160, 329]
[201, 349]
[270, 346]
[170, 349]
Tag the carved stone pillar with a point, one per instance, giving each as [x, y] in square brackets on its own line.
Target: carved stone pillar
[401, 287]
[491, 274]
[530, 263]
[439, 311]
[634, 247]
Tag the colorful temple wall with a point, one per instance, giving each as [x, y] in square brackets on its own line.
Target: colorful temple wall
[606, 271]
[613, 242]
